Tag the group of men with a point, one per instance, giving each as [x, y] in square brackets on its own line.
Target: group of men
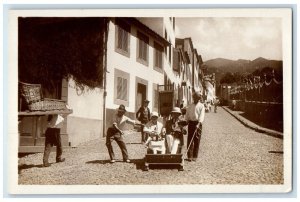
[173, 130]
[194, 118]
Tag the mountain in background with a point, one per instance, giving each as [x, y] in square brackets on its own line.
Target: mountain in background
[221, 66]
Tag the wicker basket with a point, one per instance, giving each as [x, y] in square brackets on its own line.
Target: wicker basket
[32, 94]
[47, 105]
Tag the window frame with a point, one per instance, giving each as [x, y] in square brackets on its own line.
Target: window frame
[124, 76]
[156, 47]
[140, 41]
[125, 28]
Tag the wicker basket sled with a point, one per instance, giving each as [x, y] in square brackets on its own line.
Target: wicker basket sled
[32, 93]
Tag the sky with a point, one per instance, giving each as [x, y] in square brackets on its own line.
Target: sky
[233, 38]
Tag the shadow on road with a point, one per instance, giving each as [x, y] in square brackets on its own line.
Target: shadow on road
[99, 162]
[139, 163]
[25, 166]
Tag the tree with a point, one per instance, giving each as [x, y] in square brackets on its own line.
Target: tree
[227, 78]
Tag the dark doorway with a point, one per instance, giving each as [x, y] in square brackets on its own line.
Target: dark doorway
[140, 95]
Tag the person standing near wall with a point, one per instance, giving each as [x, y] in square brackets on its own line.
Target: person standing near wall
[143, 115]
[52, 135]
[195, 117]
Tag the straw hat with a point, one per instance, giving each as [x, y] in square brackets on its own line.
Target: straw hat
[176, 110]
[154, 114]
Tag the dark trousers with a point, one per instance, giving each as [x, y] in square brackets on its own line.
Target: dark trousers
[52, 138]
[113, 134]
[195, 143]
[144, 136]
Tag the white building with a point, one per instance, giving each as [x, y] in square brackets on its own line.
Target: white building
[138, 59]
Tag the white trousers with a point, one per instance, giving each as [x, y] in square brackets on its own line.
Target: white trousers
[172, 144]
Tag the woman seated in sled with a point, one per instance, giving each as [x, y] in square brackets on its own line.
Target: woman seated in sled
[156, 135]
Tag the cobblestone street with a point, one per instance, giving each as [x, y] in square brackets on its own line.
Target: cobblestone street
[230, 153]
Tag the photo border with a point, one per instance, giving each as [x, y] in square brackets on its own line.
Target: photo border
[11, 120]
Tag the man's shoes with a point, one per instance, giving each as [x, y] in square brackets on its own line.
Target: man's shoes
[194, 159]
[127, 161]
[60, 160]
[189, 159]
[46, 164]
[113, 161]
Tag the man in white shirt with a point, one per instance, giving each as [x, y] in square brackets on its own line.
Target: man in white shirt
[115, 132]
[195, 116]
[52, 137]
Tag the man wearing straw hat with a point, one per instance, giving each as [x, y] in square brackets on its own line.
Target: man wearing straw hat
[195, 116]
[175, 131]
[115, 132]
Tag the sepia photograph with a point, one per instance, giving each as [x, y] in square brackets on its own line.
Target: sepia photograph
[150, 101]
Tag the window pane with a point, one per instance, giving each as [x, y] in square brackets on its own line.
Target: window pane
[123, 36]
[143, 46]
[124, 90]
[125, 41]
[119, 37]
[119, 88]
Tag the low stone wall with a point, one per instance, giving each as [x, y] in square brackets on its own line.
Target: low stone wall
[263, 113]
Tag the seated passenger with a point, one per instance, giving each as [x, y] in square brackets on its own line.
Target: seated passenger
[175, 131]
[155, 131]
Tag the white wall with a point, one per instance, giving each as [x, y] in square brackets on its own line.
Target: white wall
[130, 65]
[85, 105]
[86, 121]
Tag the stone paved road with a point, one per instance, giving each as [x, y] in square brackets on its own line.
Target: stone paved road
[230, 153]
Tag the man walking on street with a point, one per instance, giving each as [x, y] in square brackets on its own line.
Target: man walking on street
[195, 117]
[52, 135]
[115, 132]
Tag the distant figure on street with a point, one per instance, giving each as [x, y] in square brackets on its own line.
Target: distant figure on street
[52, 135]
[195, 117]
[143, 115]
[233, 103]
[216, 103]
[115, 132]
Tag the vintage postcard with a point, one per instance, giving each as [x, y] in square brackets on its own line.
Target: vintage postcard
[127, 101]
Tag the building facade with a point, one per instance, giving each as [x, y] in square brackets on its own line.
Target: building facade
[136, 64]
[142, 59]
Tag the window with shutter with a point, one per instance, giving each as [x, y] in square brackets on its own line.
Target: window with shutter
[143, 47]
[124, 90]
[122, 38]
[176, 60]
[158, 55]
[121, 88]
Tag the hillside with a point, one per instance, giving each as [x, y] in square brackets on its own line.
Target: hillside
[244, 67]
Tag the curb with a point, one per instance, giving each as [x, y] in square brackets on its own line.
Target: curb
[253, 126]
